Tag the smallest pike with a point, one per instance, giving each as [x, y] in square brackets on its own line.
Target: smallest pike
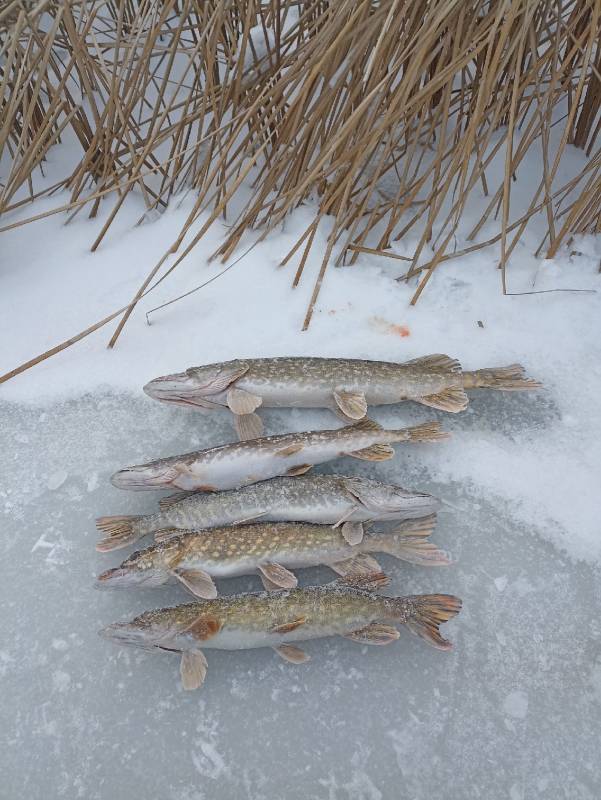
[196, 558]
[242, 463]
[347, 607]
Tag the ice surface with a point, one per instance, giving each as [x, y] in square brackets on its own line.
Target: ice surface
[513, 712]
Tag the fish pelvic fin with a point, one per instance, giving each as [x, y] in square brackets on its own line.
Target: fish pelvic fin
[120, 532]
[424, 614]
[409, 542]
[504, 379]
[372, 582]
[452, 399]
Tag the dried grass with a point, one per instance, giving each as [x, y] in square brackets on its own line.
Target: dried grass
[311, 99]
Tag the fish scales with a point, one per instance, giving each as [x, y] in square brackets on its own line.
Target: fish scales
[330, 499]
[241, 463]
[281, 619]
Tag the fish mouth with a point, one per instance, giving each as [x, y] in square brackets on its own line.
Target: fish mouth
[124, 577]
[180, 389]
[124, 633]
[139, 478]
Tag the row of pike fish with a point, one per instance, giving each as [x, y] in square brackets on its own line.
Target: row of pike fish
[249, 507]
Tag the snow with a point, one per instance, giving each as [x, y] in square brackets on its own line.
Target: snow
[512, 712]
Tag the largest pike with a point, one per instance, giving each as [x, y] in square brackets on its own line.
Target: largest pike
[241, 463]
[347, 607]
[345, 385]
[330, 499]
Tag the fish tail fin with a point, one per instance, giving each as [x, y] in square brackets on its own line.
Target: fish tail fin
[427, 432]
[424, 613]
[409, 542]
[504, 379]
[120, 531]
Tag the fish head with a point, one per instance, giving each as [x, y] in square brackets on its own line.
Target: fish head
[201, 388]
[124, 577]
[157, 474]
[144, 568]
[149, 631]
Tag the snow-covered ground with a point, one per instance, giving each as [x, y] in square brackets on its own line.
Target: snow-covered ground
[511, 713]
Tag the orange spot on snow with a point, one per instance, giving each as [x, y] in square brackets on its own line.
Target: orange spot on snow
[384, 326]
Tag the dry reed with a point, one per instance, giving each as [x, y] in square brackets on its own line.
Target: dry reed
[332, 102]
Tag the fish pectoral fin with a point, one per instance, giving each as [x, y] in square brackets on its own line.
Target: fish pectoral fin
[299, 470]
[352, 404]
[436, 361]
[278, 575]
[292, 654]
[193, 669]
[248, 426]
[287, 627]
[268, 585]
[197, 581]
[352, 532]
[362, 564]
[376, 452]
[204, 627]
[370, 582]
[241, 402]
[453, 399]
[170, 499]
[289, 451]
[375, 633]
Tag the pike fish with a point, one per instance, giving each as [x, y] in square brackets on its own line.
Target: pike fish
[242, 463]
[271, 549]
[345, 385]
[330, 499]
[347, 607]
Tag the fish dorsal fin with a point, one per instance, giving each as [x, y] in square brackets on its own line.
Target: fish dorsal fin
[278, 575]
[438, 361]
[240, 401]
[287, 627]
[204, 627]
[171, 499]
[375, 633]
[453, 399]
[197, 581]
[365, 425]
[299, 470]
[352, 532]
[363, 564]
[290, 450]
[372, 582]
[193, 669]
[248, 426]
[375, 452]
[292, 654]
[352, 404]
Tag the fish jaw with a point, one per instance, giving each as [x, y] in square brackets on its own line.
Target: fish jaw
[125, 577]
[129, 634]
[184, 389]
[145, 476]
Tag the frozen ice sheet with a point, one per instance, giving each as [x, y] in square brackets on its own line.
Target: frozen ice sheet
[513, 712]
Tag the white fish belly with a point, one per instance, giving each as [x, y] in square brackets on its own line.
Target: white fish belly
[242, 639]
